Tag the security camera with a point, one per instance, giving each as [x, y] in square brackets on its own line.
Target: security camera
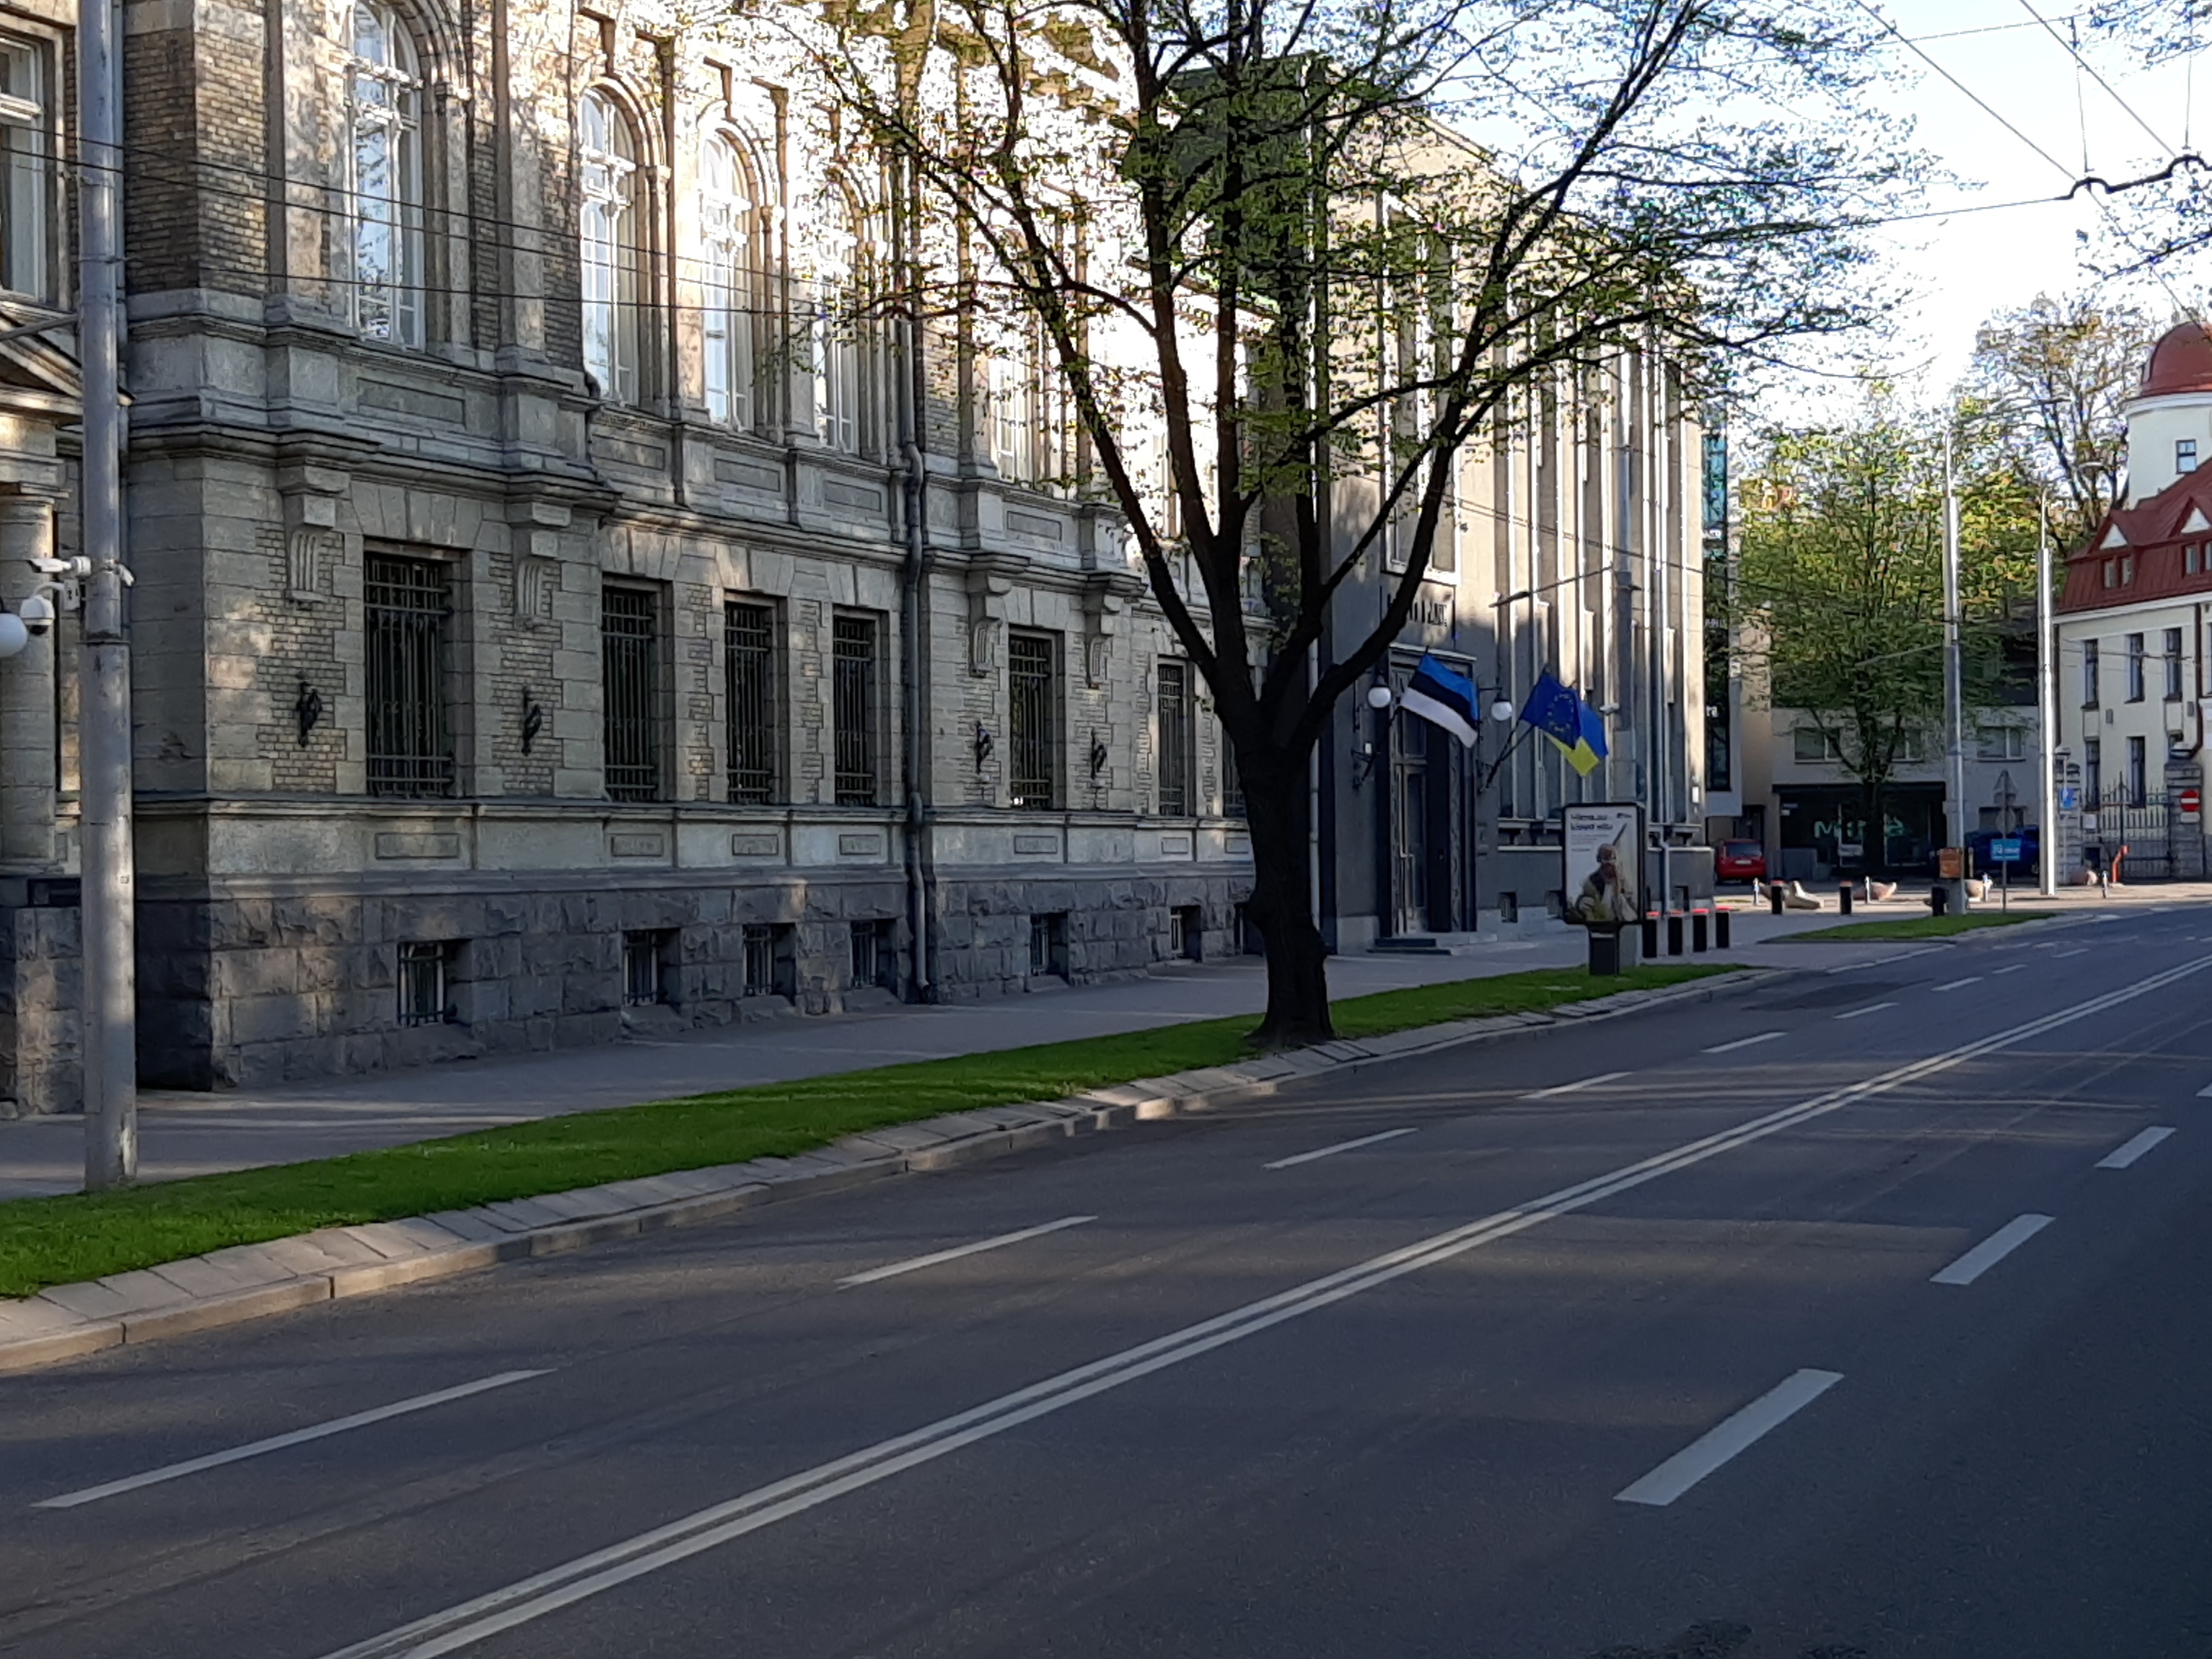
[37, 613]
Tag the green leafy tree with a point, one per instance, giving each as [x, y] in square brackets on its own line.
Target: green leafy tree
[1841, 582]
[1292, 259]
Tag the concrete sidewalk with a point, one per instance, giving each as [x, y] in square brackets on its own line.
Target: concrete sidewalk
[185, 1134]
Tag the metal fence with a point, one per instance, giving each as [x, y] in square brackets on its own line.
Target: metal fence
[854, 708]
[1174, 756]
[409, 752]
[749, 658]
[1033, 720]
[630, 651]
[2143, 828]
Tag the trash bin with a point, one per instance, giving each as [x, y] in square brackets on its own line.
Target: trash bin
[1605, 952]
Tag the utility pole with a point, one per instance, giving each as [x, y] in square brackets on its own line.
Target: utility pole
[110, 997]
[1953, 690]
[2046, 709]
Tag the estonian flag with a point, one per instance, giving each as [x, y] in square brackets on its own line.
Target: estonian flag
[1443, 698]
[1558, 712]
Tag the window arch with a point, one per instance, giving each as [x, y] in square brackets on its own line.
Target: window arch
[734, 273]
[384, 175]
[608, 224]
[840, 336]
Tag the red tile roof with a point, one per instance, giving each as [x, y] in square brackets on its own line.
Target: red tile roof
[2150, 550]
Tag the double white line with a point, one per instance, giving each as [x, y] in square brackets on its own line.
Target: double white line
[469, 1622]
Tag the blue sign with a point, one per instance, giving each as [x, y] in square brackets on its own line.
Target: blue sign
[2069, 799]
[2005, 849]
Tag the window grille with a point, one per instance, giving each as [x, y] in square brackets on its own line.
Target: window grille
[410, 752]
[749, 680]
[27, 197]
[424, 992]
[385, 177]
[1174, 756]
[873, 960]
[770, 960]
[645, 979]
[1032, 690]
[1048, 945]
[629, 652]
[854, 709]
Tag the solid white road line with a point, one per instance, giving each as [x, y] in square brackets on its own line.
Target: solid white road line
[466, 1623]
[1743, 1042]
[1570, 1088]
[1871, 1008]
[916, 1263]
[277, 1443]
[1725, 1440]
[1953, 985]
[1331, 1151]
[2120, 1156]
[2078, 950]
[2013, 968]
[1991, 1251]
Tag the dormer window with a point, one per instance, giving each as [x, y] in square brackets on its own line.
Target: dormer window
[2192, 559]
[2111, 572]
[2185, 455]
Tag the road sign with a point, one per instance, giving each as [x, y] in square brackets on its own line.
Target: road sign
[2193, 803]
[2005, 849]
[2069, 799]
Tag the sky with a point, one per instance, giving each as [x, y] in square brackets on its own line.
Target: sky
[1964, 266]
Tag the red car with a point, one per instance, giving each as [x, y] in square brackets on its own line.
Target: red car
[1740, 860]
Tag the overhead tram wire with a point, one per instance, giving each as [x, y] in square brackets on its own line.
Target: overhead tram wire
[2104, 207]
[2083, 65]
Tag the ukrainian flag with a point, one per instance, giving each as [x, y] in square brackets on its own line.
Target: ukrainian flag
[1574, 727]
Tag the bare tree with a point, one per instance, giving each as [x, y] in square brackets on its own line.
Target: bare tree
[1293, 259]
[2046, 387]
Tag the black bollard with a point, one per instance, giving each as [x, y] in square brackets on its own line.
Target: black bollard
[1774, 898]
[1651, 939]
[1698, 933]
[1721, 929]
[1674, 934]
[1844, 896]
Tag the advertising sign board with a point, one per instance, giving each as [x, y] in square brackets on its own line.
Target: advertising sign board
[1603, 874]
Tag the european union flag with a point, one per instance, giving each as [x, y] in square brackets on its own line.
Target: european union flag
[1575, 728]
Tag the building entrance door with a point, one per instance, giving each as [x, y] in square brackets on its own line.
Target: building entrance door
[1428, 784]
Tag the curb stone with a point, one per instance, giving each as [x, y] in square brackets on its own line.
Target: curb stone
[251, 1281]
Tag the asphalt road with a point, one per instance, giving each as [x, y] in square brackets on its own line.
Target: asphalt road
[1858, 1316]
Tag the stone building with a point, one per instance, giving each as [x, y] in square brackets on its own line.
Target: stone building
[1577, 549]
[556, 615]
[38, 403]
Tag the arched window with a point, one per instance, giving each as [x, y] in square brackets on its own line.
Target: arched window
[384, 183]
[840, 336]
[608, 153]
[729, 215]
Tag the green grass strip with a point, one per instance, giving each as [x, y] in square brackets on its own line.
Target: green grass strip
[1914, 926]
[59, 1241]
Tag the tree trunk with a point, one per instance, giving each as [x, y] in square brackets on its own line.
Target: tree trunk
[1276, 805]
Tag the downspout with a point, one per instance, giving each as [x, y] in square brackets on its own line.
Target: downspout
[914, 581]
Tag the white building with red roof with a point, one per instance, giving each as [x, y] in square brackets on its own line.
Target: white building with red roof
[2133, 616]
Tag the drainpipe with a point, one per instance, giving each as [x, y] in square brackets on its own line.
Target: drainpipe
[914, 581]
